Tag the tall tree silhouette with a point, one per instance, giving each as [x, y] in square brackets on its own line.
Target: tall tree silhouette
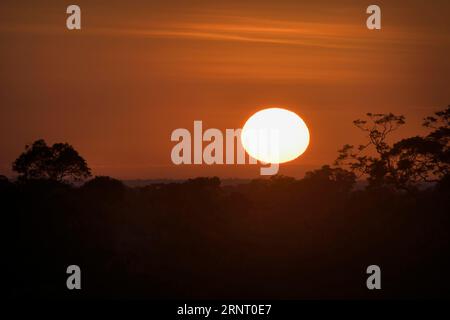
[406, 163]
[60, 162]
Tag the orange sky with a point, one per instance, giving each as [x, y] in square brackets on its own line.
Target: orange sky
[140, 69]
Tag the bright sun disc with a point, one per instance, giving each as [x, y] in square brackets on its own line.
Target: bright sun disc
[275, 135]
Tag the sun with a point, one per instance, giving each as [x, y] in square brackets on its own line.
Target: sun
[275, 135]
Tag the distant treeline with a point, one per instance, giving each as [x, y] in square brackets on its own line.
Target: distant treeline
[267, 238]
[276, 238]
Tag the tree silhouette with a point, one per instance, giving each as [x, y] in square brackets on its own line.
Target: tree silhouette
[184, 239]
[102, 186]
[340, 178]
[441, 136]
[60, 162]
[406, 163]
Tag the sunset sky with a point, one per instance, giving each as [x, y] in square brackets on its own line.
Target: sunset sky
[137, 70]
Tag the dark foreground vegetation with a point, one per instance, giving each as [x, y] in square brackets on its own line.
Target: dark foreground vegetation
[274, 238]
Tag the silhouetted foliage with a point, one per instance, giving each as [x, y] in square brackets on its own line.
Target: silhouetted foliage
[407, 163]
[102, 185]
[279, 238]
[60, 162]
[343, 180]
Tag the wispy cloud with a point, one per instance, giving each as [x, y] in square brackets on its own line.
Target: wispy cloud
[248, 29]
